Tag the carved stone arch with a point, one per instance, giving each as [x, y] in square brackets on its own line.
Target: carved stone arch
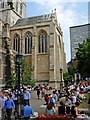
[28, 32]
[42, 31]
[16, 34]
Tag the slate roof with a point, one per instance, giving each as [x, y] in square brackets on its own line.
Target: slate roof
[33, 20]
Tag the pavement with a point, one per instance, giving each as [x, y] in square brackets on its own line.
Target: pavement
[37, 104]
[40, 108]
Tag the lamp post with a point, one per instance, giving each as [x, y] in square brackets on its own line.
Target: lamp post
[61, 80]
[18, 62]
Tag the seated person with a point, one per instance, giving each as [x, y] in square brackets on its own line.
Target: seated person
[50, 110]
[75, 112]
[61, 108]
[68, 104]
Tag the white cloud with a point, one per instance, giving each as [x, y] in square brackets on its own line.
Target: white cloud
[56, 1]
[66, 15]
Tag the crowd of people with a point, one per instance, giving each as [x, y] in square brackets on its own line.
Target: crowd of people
[9, 100]
[69, 104]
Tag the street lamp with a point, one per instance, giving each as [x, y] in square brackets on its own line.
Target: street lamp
[18, 63]
[61, 85]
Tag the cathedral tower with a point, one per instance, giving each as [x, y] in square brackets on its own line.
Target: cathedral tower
[10, 12]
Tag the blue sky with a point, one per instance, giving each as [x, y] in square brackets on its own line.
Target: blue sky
[69, 13]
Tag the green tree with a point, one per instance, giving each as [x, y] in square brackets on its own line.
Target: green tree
[72, 67]
[83, 58]
[13, 79]
[67, 78]
[26, 73]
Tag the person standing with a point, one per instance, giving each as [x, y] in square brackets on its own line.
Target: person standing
[61, 108]
[9, 105]
[75, 112]
[73, 98]
[43, 92]
[26, 96]
[68, 104]
[38, 91]
[15, 99]
[27, 111]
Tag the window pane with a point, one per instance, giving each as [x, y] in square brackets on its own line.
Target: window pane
[31, 46]
[42, 43]
[28, 43]
[18, 45]
[25, 45]
[17, 6]
[39, 44]
[14, 43]
[45, 43]
[21, 9]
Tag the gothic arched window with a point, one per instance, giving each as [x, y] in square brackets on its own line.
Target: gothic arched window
[17, 6]
[21, 9]
[16, 43]
[28, 43]
[59, 37]
[42, 42]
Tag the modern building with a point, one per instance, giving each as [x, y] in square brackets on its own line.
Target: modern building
[77, 35]
[39, 39]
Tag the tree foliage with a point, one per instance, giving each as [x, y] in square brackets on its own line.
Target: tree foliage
[83, 58]
[67, 78]
[72, 67]
[25, 75]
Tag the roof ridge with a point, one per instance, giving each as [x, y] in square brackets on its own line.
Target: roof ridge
[33, 19]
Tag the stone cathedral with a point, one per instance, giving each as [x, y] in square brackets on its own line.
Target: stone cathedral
[38, 38]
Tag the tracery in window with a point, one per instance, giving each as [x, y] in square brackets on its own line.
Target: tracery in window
[42, 42]
[17, 6]
[28, 43]
[21, 9]
[16, 43]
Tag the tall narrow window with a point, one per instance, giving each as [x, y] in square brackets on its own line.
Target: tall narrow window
[17, 6]
[39, 43]
[21, 9]
[42, 42]
[16, 43]
[28, 43]
[2, 4]
[59, 41]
